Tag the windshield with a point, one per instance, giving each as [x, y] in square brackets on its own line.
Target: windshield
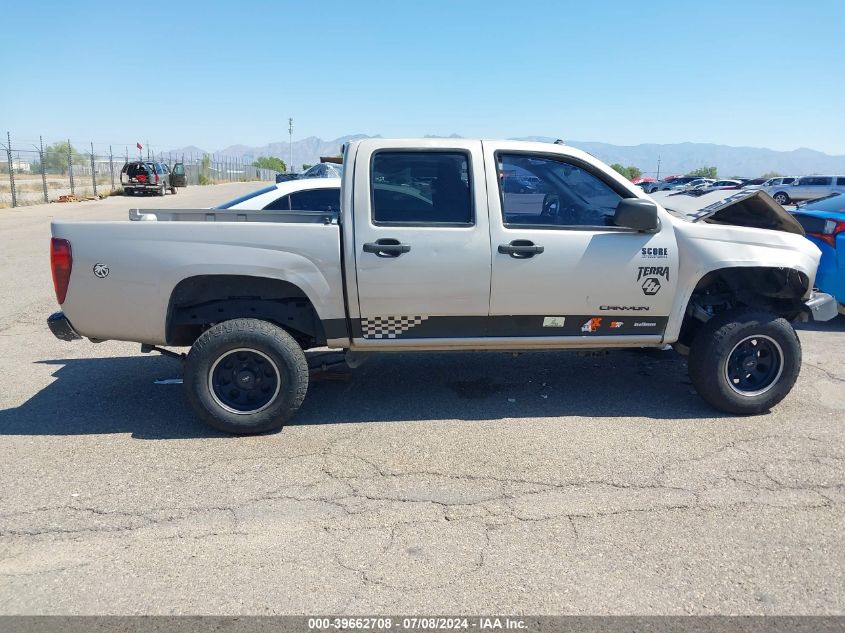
[244, 198]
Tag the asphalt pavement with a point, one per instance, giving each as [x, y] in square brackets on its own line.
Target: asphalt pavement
[542, 483]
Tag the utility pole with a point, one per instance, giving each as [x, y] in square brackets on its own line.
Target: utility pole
[290, 136]
[658, 167]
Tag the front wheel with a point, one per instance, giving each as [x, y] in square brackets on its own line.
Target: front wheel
[745, 361]
[781, 198]
[246, 376]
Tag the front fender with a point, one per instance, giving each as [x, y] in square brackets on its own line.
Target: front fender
[707, 248]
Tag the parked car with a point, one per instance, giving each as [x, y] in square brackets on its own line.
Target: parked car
[771, 182]
[674, 183]
[824, 222]
[697, 184]
[144, 176]
[178, 176]
[314, 194]
[717, 185]
[807, 188]
[324, 170]
[428, 253]
[753, 183]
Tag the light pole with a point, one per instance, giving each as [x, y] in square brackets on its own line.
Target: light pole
[290, 137]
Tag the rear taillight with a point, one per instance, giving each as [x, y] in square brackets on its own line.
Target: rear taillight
[831, 229]
[61, 262]
[156, 177]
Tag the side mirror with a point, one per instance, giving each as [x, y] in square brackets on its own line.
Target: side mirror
[637, 214]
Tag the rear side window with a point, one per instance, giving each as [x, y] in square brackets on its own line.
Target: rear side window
[815, 180]
[421, 187]
[322, 200]
[552, 193]
[840, 181]
[134, 169]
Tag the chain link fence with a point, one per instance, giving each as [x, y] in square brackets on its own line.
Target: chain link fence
[34, 173]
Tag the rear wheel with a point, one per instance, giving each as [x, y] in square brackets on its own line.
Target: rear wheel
[162, 191]
[246, 376]
[781, 197]
[745, 361]
[173, 190]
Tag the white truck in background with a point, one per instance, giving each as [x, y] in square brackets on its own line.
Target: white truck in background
[432, 251]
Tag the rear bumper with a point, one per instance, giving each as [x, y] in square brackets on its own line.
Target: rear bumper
[61, 327]
[145, 186]
[821, 307]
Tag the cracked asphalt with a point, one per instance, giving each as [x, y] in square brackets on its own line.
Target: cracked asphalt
[542, 483]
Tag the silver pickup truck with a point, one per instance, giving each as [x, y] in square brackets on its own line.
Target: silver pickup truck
[431, 251]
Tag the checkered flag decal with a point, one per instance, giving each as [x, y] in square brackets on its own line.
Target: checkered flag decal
[389, 326]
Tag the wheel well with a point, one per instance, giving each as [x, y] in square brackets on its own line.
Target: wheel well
[777, 290]
[197, 303]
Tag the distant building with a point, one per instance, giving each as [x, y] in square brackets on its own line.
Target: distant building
[20, 165]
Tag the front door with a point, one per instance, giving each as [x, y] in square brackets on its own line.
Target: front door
[422, 242]
[560, 266]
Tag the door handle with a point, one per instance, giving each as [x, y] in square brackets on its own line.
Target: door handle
[521, 249]
[386, 247]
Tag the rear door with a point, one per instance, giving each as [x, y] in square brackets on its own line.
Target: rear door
[560, 266]
[421, 240]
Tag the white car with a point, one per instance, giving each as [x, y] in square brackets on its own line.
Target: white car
[698, 183]
[723, 184]
[771, 182]
[305, 194]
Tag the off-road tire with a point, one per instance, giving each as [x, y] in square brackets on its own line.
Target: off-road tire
[266, 339]
[782, 198]
[712, 347]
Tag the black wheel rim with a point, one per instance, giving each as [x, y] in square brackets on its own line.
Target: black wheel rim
[754, 365]
[244, 381]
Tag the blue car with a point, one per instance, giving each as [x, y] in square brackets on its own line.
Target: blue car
[824, 222]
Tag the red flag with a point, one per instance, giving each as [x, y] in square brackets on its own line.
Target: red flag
[139, 146]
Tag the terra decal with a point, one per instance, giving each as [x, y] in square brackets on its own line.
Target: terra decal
[651, 271]
[616, 324]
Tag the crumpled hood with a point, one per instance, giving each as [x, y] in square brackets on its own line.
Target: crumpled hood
[755, 209]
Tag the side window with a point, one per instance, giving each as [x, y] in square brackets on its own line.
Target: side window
[280, 204]
[543, 191]
[421, 187]
[840, 181]
[322, 200]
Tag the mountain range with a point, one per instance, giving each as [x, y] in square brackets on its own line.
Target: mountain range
[675, 158]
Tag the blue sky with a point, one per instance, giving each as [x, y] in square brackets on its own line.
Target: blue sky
[765, 74]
